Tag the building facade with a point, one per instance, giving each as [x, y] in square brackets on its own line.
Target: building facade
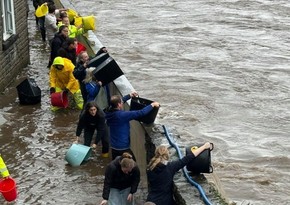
[14, 41]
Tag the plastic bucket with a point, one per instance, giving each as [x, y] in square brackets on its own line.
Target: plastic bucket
[202, 163]
[59, 99]
[28, 92]
[8, 189]
[77, 153]
[107, 71]
[138, 103]
[41, 10]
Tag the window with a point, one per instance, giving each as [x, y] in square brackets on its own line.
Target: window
[8, 18]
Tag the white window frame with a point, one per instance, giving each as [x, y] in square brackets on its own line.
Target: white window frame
[7, 11]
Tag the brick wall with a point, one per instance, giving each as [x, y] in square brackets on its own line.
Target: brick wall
[16, 56]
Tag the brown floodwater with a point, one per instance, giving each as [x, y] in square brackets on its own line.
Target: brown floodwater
[220, 70]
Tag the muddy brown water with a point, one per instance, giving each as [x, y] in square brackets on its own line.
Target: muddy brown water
[220, 70]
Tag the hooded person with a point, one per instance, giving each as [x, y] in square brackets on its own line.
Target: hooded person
[61, 79]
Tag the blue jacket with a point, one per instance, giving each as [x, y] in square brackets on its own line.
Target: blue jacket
[92, 89]
[119, 123]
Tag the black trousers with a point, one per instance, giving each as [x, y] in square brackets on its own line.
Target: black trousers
[88, 136]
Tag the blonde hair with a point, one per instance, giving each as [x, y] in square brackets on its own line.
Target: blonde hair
[161, 155]
[89, 75]
[127, 161]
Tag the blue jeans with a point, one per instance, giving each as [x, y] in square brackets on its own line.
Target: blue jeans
[119, 197]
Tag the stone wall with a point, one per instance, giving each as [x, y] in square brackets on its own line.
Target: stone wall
[14, 52]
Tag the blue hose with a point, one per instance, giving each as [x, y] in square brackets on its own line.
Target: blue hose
[184, 170]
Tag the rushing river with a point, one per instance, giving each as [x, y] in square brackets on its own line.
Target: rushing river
[219, 70]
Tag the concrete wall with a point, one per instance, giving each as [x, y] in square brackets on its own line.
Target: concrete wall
[14, 52]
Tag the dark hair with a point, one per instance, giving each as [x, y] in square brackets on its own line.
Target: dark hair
[61, 28]
[51, 8]
[90, 104]
[93, 104]
[69, 41]
[115, 100]
[63, 14]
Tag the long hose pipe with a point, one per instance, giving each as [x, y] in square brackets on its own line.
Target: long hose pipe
[184, 170]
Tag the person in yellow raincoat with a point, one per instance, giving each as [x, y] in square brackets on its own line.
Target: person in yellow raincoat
[61, 78]
[3, 169]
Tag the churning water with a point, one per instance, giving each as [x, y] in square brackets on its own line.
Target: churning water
[220, 71]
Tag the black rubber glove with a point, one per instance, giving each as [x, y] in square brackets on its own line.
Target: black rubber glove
[52, 90]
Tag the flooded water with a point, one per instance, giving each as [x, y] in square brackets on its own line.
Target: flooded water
[219, 70]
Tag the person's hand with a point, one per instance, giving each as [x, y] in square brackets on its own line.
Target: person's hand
[133, 94]
[130, 197]
[206, 145]
[155, 104]
[100, 83]
[104, 202]
[52, 90]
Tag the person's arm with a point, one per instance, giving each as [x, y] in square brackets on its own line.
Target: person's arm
[136, 180]
[52, 77]
[178, 164]
[129, 96]
[108, 180]
[136, 114]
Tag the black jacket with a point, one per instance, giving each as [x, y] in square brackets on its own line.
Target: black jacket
[161, 180]
[90, 122]
[116, 178]
[56, 44]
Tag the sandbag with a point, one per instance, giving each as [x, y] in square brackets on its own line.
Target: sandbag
[88, 22]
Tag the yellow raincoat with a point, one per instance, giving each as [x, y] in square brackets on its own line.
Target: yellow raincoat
[63, 79]
[3, 169]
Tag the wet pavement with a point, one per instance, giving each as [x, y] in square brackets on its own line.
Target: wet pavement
[34, 141]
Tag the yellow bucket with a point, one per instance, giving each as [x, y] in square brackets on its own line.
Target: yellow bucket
[41, 10]
[89, 22]
[71, 14]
